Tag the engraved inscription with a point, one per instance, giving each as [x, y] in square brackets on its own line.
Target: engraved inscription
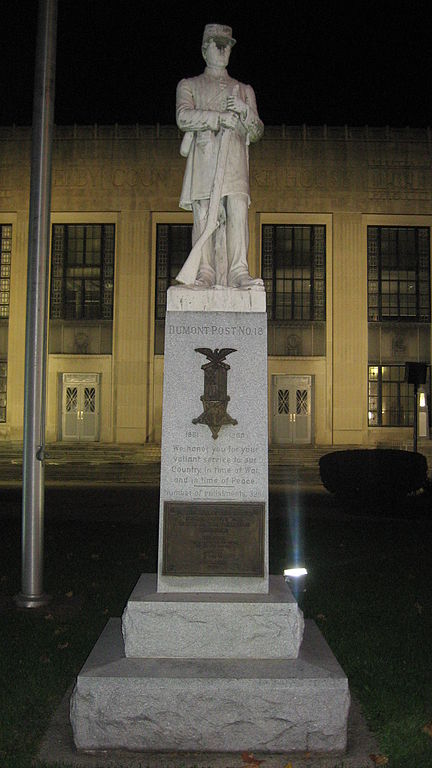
[198, 465]
[216, 472]
[213, 539]
[213, 330]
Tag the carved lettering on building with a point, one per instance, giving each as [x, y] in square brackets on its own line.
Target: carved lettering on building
[13, 179]
[315, 178]
[120, 177]
[398, 182]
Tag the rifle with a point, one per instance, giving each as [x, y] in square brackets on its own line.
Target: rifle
[189, 271]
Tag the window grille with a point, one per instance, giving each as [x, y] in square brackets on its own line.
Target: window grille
[399, 274]
[302, 402]
[293, 270]
[283, 401]
[71, 399]
[82, 272]
[391, 398]
[5, 269]
[3, 390]
[89, 400]
[173, 245]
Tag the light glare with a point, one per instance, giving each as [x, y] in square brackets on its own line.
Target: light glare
[295, 572]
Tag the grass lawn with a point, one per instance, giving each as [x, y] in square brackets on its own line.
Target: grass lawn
[369, 589]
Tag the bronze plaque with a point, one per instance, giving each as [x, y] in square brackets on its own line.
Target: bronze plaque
[213, 538]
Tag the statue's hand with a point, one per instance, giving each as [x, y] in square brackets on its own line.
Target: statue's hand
[229, 120]
[234, 104]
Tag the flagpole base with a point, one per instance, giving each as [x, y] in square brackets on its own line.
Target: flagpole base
[31, 601]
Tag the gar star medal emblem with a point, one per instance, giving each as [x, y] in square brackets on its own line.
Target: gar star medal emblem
[215, 398]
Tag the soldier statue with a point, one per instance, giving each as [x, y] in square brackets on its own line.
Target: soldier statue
[219, 118]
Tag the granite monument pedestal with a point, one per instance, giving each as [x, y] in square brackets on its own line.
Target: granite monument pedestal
[210, 654]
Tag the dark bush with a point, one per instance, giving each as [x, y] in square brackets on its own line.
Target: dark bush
[383, 474]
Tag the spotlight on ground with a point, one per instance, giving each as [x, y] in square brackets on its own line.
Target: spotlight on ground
[295, 577]
[294, 573]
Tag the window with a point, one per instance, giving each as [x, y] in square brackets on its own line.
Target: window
[5, 269]
[173, 245]
[399, 274]
[294, 271]
[82, 273]
[5, 273]
[391, 399]
[3, 390]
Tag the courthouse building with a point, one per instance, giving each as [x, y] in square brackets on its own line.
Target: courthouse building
[340, 232]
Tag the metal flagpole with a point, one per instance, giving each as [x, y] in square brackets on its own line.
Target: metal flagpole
[32, 593]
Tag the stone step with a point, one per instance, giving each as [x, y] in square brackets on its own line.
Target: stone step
[141, 464]
[152, 451]
[175, 625]
[222, 705]
[90, 453]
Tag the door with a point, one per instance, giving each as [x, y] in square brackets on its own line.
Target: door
[80, 414]
[292, 410]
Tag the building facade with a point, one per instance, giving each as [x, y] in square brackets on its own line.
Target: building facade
[340, 231]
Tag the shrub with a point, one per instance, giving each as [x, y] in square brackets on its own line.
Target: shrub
[383, 474]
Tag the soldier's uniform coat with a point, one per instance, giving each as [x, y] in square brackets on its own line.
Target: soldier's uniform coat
[200, 100]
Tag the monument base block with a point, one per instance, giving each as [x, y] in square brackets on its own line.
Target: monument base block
[241, 625]
[211, 655]
[217, 705]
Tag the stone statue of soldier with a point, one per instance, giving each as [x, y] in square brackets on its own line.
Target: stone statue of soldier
[219, 118]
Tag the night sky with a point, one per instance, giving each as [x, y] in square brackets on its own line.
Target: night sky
[309, 62]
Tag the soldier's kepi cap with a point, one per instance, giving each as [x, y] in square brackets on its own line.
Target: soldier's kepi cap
[218, 32]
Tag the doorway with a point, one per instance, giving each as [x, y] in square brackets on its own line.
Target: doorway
[80, 407]
[292, 410]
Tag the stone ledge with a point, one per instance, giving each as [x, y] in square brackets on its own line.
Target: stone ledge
[181, 298]
[212, 625]
[56, 748]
